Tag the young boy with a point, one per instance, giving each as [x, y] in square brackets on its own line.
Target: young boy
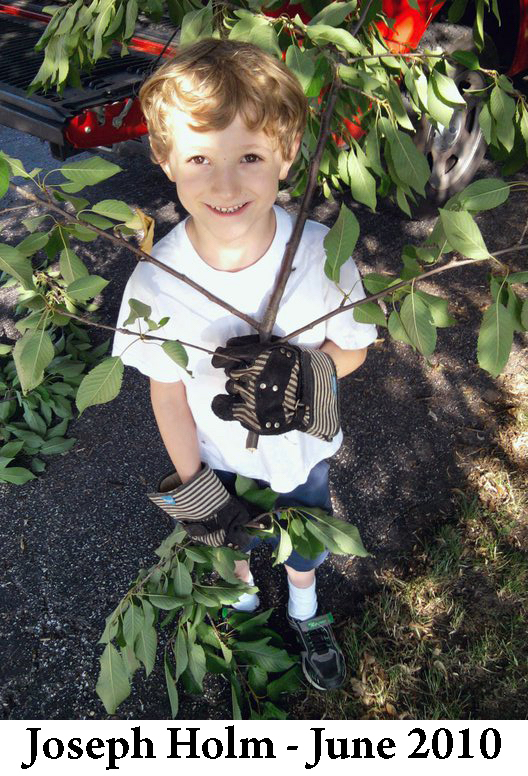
[225, 123]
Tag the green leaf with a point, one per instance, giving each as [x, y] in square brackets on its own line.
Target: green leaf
[495, 339]
[517, 277]
[456, 10]
[411, 165]
[32, 354]
[137, 310]
[285, 548]
[34, 421]
[287, 683]
[180, 653]
[171, 688]
[264, 498]
[397, 329]
[4, 177]
[370, 312]
[438, 309]
[468, 59]
[196, 25]
[101, 384]
[260, 653]
[258, 680]
[333, 13]
[145, 647]
[176, 352]
[16, 475]
[197, 666]
[16, 265]
[301, 64]
[486, 124]
[182, 580]
[57, 445]
[502, 108]
[375, 282]
[484, 194]
[235, 698]
[89, 171]
[16, 166]
[437, 109]
[323, 33]
[11, 449]
[463, 234]
[224, 565]
[31, 244]
[340, 242]
[344, 534]
[71, 267]
[112, 685]
[244, 483]
[86, 287]
[82, 233]
[133, 621]
[114, 208]
[97, 220]
[447, 90]
[166, 602]
[417, 320]
[524, 315]
[362, 183]
[250, 622]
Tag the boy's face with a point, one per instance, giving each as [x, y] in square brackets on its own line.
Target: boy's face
[228, 181]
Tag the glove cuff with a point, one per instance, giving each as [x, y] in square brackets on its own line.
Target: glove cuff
[324, 402]
[199, 498]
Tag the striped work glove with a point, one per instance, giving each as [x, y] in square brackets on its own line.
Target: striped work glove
[275, 388]
[205, 509]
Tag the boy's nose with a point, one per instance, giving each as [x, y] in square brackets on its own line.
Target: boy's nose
[225, 183]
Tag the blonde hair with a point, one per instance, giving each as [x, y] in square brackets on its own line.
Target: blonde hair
[215, 80]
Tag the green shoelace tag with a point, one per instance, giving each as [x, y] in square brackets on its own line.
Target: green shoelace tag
[324, 619]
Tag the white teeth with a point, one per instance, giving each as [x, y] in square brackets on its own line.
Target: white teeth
[227, 209]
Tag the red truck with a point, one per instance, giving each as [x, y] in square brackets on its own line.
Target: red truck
[105, 110]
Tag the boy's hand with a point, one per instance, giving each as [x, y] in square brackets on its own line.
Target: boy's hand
[275, 388]
[205, 509]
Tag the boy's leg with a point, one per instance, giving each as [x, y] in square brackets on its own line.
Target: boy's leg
[322, 660]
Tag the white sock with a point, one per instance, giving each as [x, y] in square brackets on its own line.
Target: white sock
[247, 602]
[302, 604]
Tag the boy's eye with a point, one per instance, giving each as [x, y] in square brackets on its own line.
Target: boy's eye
[251, 158]
[198, 160]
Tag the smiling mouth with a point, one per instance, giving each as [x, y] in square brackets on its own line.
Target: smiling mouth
[228, 211]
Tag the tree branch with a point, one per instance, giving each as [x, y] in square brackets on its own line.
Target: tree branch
[379, 295]
[141, 255]
[293, 243]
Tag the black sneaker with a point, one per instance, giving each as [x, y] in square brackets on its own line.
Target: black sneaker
[323, 663]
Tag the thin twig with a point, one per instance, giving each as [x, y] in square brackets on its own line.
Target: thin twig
[141, 255]
[365, 8]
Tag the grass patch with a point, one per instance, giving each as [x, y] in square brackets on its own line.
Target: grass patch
[449, 643]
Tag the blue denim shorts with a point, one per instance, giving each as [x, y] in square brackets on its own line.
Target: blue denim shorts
[313, 493]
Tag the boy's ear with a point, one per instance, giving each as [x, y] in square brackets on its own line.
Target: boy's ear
[165, 166]
[287, 163]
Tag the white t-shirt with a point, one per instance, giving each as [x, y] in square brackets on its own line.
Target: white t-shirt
[284, 460]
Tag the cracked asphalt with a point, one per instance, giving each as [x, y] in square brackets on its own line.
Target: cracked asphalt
[72, 540]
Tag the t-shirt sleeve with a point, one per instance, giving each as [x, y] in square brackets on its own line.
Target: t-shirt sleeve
[343, 329]
[145, 355]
